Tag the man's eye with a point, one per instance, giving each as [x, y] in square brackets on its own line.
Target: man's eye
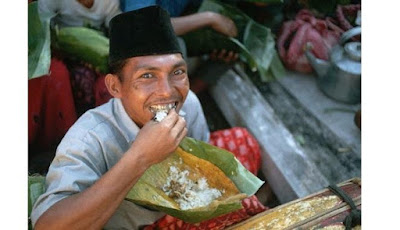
[147, 75]
[179, 72]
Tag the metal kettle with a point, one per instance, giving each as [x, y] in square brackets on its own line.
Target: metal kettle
[340, 77]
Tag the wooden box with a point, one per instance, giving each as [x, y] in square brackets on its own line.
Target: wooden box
[322, 210]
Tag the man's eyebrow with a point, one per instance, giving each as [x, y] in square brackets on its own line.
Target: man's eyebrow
[179, 64]
[152, 67]
[145, 67]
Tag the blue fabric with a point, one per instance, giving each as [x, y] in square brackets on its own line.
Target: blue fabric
[174, 7]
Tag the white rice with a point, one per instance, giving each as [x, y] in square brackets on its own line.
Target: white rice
[160, 115]
[188, 193]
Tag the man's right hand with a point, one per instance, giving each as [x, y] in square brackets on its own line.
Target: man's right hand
[157, 140]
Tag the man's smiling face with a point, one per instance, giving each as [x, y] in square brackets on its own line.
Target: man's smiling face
[149, 83]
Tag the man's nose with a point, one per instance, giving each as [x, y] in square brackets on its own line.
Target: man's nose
[164, 87]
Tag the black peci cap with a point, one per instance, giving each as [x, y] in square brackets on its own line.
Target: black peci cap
[142, 32]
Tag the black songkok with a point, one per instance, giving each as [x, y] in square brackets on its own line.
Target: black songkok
[142, 32]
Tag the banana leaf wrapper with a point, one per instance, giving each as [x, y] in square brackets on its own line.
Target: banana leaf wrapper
[36, 187]
[255, 43]
[84, 44]
[221, 169]
[39, 53]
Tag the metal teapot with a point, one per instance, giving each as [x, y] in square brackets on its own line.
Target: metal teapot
[340, 77]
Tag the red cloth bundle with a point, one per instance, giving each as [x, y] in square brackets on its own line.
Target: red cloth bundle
[322, 34]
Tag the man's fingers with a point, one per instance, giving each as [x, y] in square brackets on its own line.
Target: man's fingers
[229, 57]
[179, 126]
[222, 54]
[181, 135]
[235, 57]
[171, 119]
[233, 30]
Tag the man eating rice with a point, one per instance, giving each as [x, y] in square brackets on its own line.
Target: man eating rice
[107, 150]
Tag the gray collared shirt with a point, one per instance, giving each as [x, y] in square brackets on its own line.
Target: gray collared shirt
[93, 145]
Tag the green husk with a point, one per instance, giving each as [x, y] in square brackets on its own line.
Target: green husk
[255, 43]
[84, 44]
[36, 186]
[39, 54]
[147, 190]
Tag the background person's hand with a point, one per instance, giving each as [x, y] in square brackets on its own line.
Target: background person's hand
[157, 140]
[223, 25]
[224, 55]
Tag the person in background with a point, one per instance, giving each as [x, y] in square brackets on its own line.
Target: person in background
[56, 100]
[184, 23]
[109, 147]
[92, 13]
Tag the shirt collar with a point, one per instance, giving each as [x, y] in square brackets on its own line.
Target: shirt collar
[128, 127]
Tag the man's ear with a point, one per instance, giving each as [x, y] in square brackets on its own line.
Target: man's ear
[113, 85]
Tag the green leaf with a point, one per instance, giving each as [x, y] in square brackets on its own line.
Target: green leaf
[255, 43]
[260, 43]
[277, 68]
[84, 44]
[244, 180]
[36, 186]
[147, 190]
[245, 55]
[39, 53]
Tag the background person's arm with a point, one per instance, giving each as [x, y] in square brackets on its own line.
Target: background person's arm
[218, 22]
[92, 208]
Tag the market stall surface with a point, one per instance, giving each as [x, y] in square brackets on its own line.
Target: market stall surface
[308, 140]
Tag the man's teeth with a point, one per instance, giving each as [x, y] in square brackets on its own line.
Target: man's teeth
[166, 107]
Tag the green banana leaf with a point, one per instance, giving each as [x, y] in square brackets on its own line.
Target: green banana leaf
[39, 53]
[84, 44]
[244, 180]
[36, 186]
[147, 191]
[255, 43]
